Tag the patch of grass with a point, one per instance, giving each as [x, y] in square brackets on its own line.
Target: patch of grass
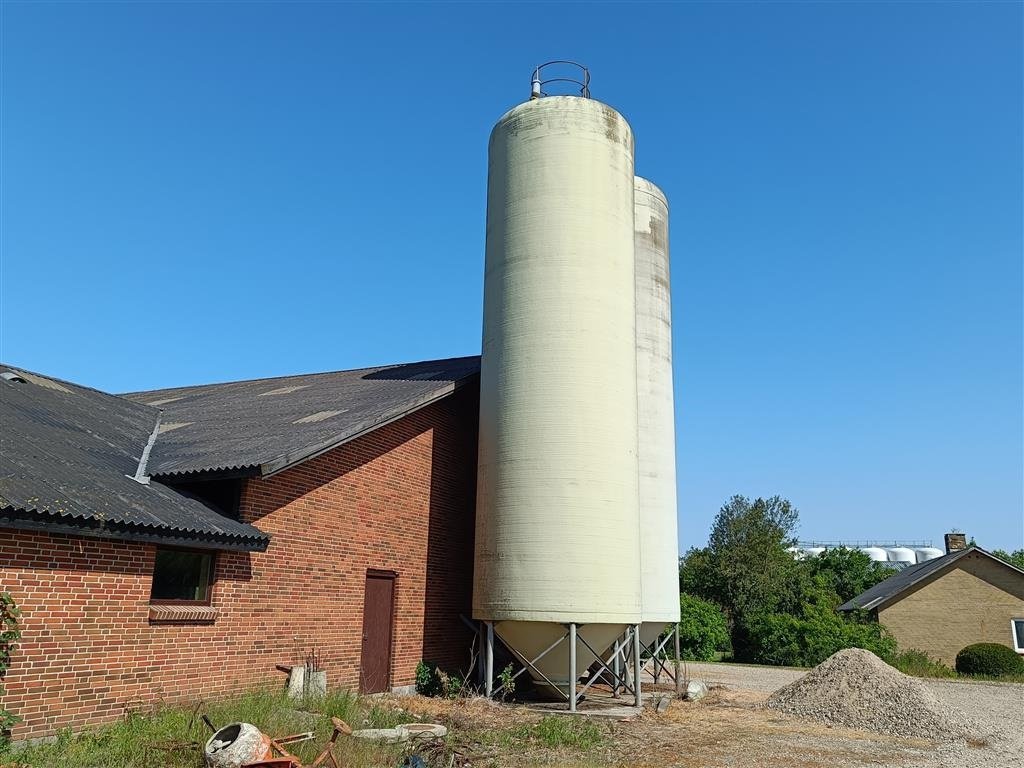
[343, 704]
[135, 740]
[560, 731]
[383, 717]
[920, 664]
[1010, 678]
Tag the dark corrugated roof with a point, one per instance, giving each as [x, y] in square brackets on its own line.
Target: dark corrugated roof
[884, 591]
[265, 425]
[67, 457]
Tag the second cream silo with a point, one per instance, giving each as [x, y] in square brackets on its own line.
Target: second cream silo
[659, 553]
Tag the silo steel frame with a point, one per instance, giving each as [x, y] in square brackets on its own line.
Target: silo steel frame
[625, 663]
[628, 649]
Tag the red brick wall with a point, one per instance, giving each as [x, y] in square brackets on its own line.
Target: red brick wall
[399, 499]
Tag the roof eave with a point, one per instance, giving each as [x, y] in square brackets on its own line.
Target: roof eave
[212, 473]
[851, 606]
[90, 528]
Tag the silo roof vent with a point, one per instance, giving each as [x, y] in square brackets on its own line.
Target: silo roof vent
[565, 73]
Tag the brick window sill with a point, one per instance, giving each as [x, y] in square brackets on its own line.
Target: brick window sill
[192, 614]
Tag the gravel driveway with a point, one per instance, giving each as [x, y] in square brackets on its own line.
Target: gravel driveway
[998, 706]
[746, 677]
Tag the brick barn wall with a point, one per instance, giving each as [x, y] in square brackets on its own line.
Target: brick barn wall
[971, 603]
[399, 499]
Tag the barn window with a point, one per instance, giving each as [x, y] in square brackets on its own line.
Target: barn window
[1018, 635]
[182, 576]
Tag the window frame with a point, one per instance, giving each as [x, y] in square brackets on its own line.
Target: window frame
[210, 582]
[1013, 634]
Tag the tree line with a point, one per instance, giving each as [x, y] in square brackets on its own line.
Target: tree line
[746, 593]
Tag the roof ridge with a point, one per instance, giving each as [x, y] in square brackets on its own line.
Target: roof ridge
[76, 385]
[290, 376]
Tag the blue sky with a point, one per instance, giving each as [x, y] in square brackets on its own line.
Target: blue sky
[201, 192]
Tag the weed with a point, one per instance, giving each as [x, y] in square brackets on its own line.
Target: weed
[561, 731]
[432, 681]
[507, 683]
[453, 685]
[920, 664]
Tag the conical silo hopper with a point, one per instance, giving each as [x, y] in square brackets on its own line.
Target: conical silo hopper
[557, 535]
[659, 551]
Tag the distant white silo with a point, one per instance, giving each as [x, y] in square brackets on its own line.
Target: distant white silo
[901, 555]
[796, 552]
[659, 551]
[923, 554]
[557, 492]
[877, 554]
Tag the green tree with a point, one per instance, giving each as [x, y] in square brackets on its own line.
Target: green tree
[747, 551]
[746, 568]
[696, 575]
[702, 629]
[845, 572]
[1013, 558]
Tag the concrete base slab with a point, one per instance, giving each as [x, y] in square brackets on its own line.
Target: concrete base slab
[588, 708]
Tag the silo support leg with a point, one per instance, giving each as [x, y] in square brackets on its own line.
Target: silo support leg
[679, 679]
[616, 669]
[489, 660]
[481, 633]
[638, 667]
[627, 662]
[572, 667]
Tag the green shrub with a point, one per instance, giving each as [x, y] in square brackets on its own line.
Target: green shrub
[427, 681]
[432, 681]
[920, 664]
[702, 629]
[989, 659]
[810, 638]
[9, 635]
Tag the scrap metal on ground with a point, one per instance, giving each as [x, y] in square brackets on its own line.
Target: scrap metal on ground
[242, 745]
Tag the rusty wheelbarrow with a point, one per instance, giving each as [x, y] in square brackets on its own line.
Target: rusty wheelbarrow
[288, 760]
[242, 745]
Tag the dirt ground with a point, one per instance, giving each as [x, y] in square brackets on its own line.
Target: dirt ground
[730, 728]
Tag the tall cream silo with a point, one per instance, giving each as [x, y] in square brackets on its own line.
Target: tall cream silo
[557, 537]
[659, 552]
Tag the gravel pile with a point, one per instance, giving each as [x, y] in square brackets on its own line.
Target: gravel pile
[856, 689]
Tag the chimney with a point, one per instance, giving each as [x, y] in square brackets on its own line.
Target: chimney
[955, 542]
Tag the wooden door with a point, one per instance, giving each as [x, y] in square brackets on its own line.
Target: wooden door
[378, 613]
